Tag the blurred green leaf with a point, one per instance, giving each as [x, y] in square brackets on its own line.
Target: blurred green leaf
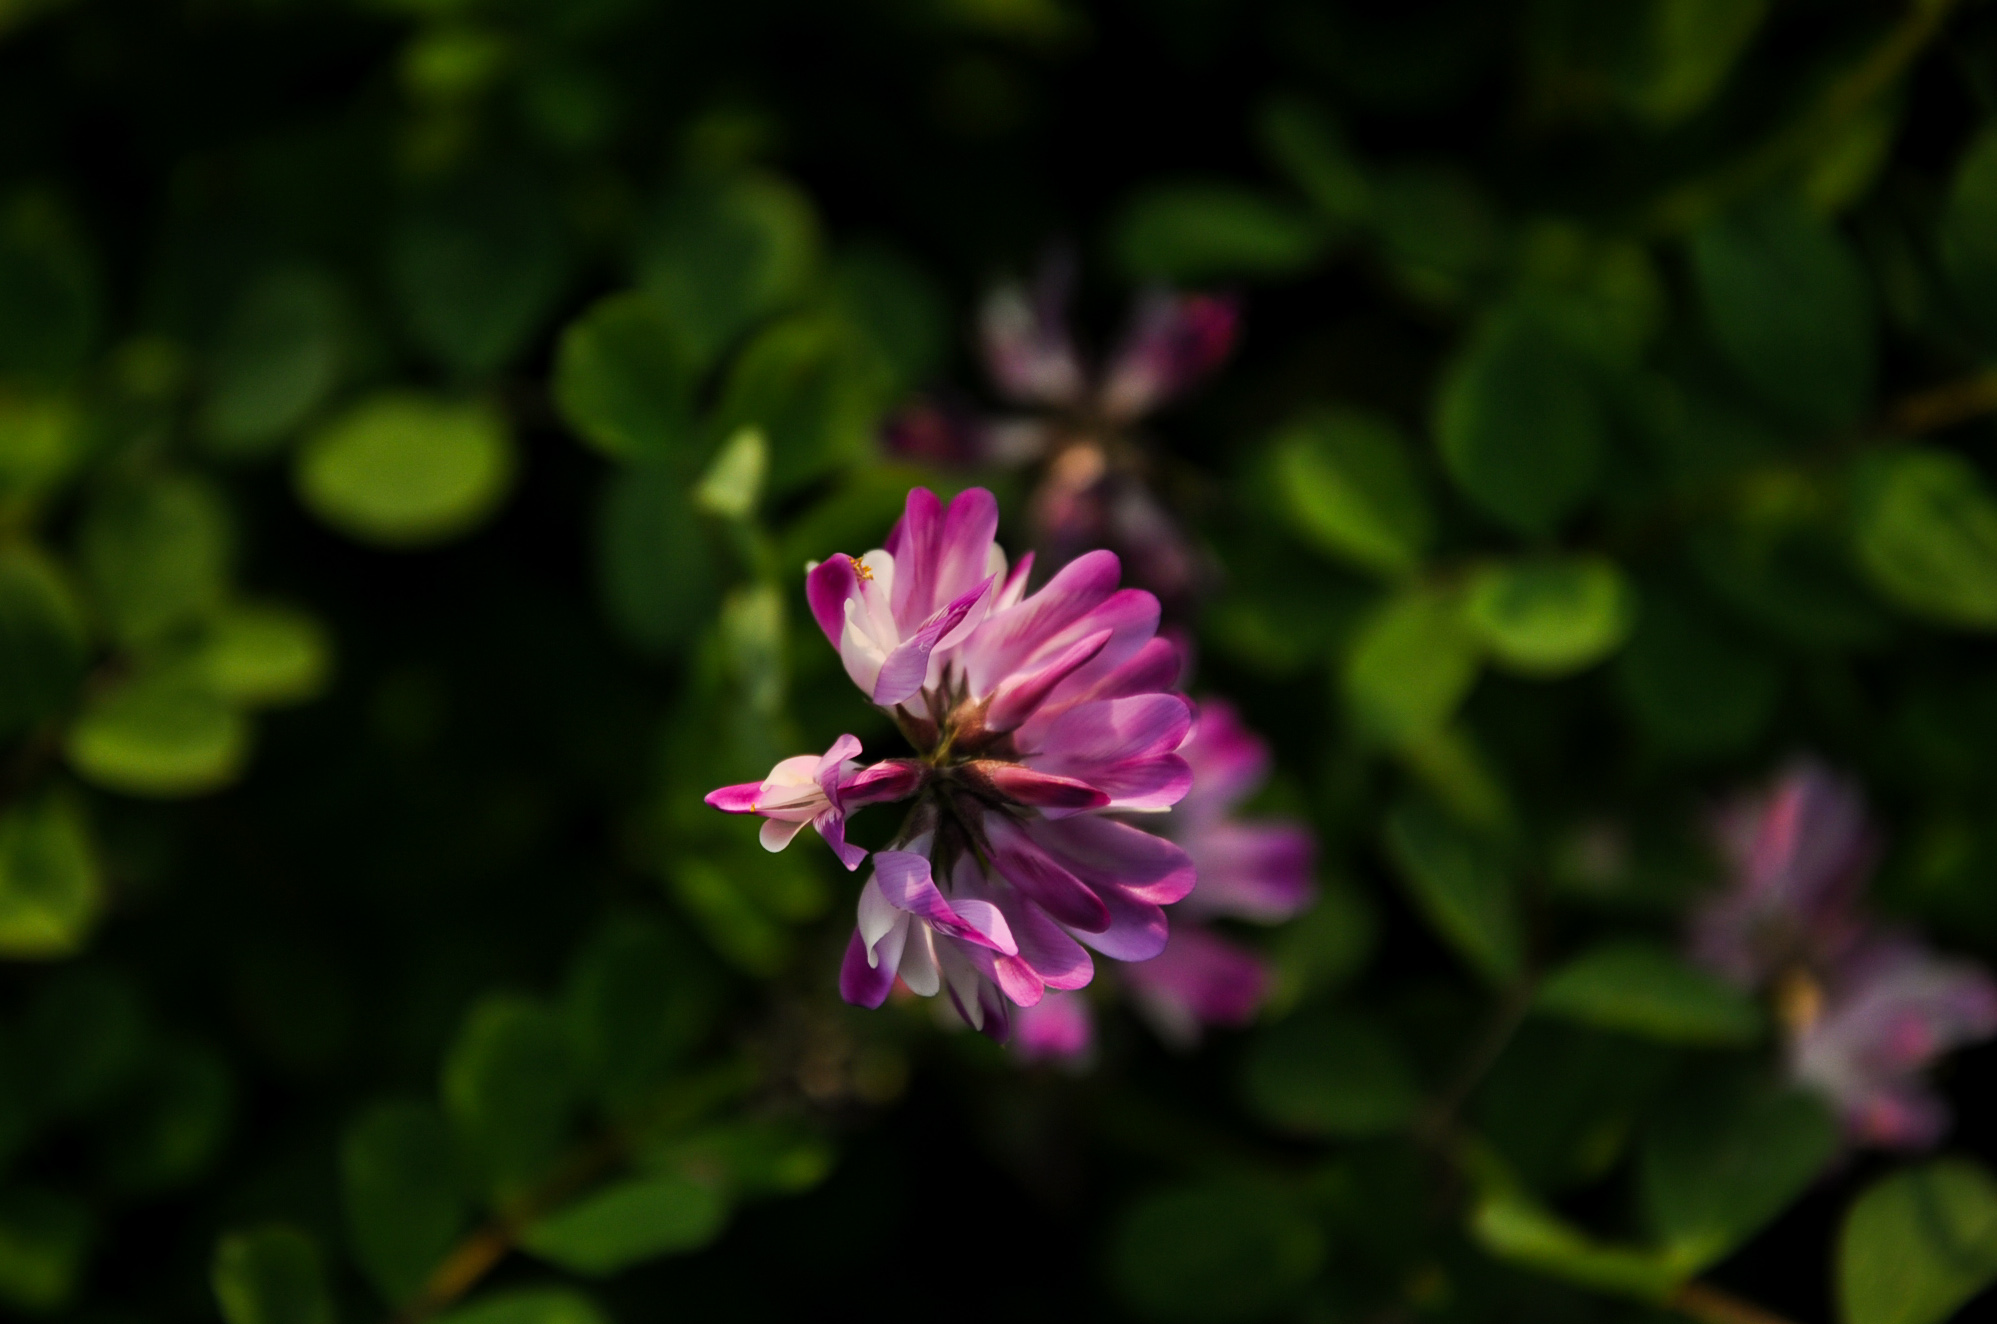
[624, 381]
[1512, 1226]
[270, 1275]
[41, 642]
[404, 1201]
[734, 482]
[478, 268]
[1925, 530]
[746, 1159]
[1410, 665]
[639, 1000]
[1461, 886]
[752, 640]
[1346, 484]
[50, 886]
[163, 733]
[157, 553]
[656, 566]
[737, 927]
[43, 437]
[84, 1038]
[1696, 687]
[406, 470]
[48, 290]
[897, 306]
[1212, 1251]
[1519, 422]
[1438, 233]
[628, 1222]
[1322, 948]
[1645, 990]
[1788, 306]
[171, 1122]
[1562, 1101]
[264, 655]
[810, 384]
[1308, 146]
[527, 1306]
[44, 1240]
[1203, 230]
[1968, 232]
[1551, 617]
[510, 1087]
[1686, 50]
[1721, 1158]
[277, 360]
[726, 253]
[1918, 1244]
[1325, 1073]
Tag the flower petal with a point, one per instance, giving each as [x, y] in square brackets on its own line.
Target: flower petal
[1017, 696]
[1021, 862]
[904, 670]
[826, 588]
[1111, 856]
[862, 984]
[737, 799]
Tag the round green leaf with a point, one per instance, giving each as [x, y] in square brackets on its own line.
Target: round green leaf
[726, 253]
[1918, 1245]
[270, 1275]
[44, 1239]
[1461, 886]
[1329, 1074]
[624, 381]
[1549, 618]
[164, 733]
[43, 436]
[262, 655]
[1207, 230]
[41, 642]
[157, 553]
[628, 1222]
[1411, 665]
[1645, 990]
[1214, 1251]
[171, 1121]
[1925, 528]
[407, 470]
[510, 1088]
[1694, 685]
[279, 356]
[1346, 484]
[50, 889]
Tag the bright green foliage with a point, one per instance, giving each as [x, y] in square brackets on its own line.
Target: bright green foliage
[166, 733]
[628, 1222]
[1207, 230]
[1925, 529]
[1720, 1157]
[1345, 482]
[1918, 1245]
[50, 885]
[1510, 1225]
[1519, 422]
[1788, 307]
[1645, 990]
[509, 1088]
[1461, 886]
[527, 1306]
[1320, 1074]
[404, 1196]
[1546, 618]
[258, 656]
[405, 470]
[271, 1275]
[1213, 1251]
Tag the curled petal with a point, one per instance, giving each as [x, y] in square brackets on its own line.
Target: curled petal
[1043, 790]
[904, 881]
[907, 666]
[737, 799]
[1017, 696]
[826, 587]
[1021, 862]
[861, 983]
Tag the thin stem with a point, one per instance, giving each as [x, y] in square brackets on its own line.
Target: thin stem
[1944, 406]
[1711, 1305]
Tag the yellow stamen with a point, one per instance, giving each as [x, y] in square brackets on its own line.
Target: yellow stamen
[1799, 1001]
[861, 568]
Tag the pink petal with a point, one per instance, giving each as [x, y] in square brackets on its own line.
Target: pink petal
[1027, 867]
[826, 588]
[776, 833]
[1136, 932]
[1111, 856]
[1022, 784]
[738, 799]
[1258, 871]
[905, 669]
[859, 983]
[831, 825]
[904, 879]
[1229, 761]
[890, 779]
[1174, 341]
[1005, 641]
[1060, 1027]
[1199, 979]
[1122, 746]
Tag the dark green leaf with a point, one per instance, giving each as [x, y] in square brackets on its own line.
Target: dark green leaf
[640, 999]
[1329, 1074]
[628, 1222]
[41, 642]
[656, 567]
[44, 1239]
[1695, 686]
[1925, 528]
[1918, 1245]
[405, 1203]
[727, 253]
[624, 380]
[157, 553]
[171, 1122]
[1207, 230]
[1969, 232]
[527, 1306]
[897, 307]
[270, 1275]
[510, 1087]
[1305, 144]
[48, 291]
[279, 357]
[83, 1040]
[1461, 886]
[1645, 990]
[815, 389]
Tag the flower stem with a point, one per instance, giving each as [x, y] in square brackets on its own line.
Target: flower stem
[1710, 1305]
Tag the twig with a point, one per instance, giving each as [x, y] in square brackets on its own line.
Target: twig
[1704, 1302]
[1944, 406]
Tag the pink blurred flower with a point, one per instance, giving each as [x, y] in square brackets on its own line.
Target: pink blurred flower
[1094, 482]
[1864, 1010]
[1061, 1028]
[1034, 716]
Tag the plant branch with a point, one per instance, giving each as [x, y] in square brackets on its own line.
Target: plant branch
[1710, 1305]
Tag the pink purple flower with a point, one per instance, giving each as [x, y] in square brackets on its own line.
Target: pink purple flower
[1035, 719]
[1865, 1010]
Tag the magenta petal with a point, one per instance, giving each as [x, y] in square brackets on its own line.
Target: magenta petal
[890, 779]
[1057, 958]
[1004, 642]
[859, 983]
[1202, 978]
[905, 669]
[1029, 868]
[1108, 855]
[1258, 871]
[1174, 341]
[826, 588]
[1014, 977]
[1061, 1027]
[831, 825]
[965, 546]
[1228, 760]
[1152, 669]
[1017, 696]
[905, 881]
[1044, 790]
[1137, 929]
[739, 799]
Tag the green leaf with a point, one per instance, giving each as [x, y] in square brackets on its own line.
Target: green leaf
[733, 483]
[1512, 1226]
[1437, 231]
[1411, 665]
[1519, 420]
[628, 1222]
[1322, 948]
[729, 917]
[1346, 484]
[279, 357]
[50, 888]
[510, 1088]
[478, 268]
[84, 1039]
[1787, 303]
[1645, 990]
[407, 470]
[1204, 230]
[816, 391]
[545, 1305]
[1695, 686]
[44, 1240]
[163, 734]
[171, 1121]
[726, 253]
[1918, 1245]
[1925, 530]
[1551, 617]
[261, 656]
[1329, 1074]
[1721, 1159]
[1212, 1251]
[1968, 235]
[405, 1204]
[1562, 1100]
[157, 555]
[270, 1275]
[657, 571]
[640, 999]
[1687, 48]
[746, 1159]
[1308, 146]
[624, 381]
[41, 642]
[897, 307]
[48, 290]
[43, 437]
[1461, 887]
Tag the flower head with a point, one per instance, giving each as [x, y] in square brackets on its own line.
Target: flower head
[1033, 717]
